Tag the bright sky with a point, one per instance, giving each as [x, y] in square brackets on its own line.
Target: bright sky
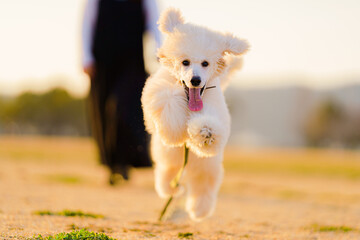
[315, 43]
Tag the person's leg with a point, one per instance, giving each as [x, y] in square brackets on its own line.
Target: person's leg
[96, 113]
[131, 139]
[117, 164]
[103, 116]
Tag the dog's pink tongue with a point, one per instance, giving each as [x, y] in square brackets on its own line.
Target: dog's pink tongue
[195, 102]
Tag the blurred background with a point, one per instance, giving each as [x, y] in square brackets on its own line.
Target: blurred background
[300, 84]
[292, 163]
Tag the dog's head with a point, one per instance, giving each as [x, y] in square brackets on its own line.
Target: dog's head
[194, 54]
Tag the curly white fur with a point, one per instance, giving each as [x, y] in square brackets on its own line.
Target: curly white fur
[171, 123]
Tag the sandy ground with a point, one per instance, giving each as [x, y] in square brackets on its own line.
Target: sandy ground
[60, 173]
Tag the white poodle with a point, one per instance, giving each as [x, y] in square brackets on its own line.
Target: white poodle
[183, 103]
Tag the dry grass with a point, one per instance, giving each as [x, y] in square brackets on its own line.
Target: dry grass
[301, 162]
[266, 194]
[43, 149]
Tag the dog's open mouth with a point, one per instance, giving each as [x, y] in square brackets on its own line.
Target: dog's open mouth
[194, 97]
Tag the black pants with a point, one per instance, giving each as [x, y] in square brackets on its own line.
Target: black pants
[116, 114]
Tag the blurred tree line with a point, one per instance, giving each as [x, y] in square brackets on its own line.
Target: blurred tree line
[331, 125]
[55, 112]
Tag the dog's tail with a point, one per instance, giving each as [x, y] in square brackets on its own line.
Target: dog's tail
[233, 64]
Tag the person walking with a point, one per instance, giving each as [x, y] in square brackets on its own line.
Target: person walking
[112, 37]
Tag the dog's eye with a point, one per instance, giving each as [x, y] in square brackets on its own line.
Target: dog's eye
[186, 62]
[204, 64]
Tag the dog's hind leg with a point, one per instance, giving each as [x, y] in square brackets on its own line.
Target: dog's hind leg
[203, 178]
[163, 177]
[168, 161]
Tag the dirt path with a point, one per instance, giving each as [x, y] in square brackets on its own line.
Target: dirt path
[251, 205]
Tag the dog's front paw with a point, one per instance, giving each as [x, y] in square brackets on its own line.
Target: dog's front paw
[206, 136]
[170, 121]
[172, 135]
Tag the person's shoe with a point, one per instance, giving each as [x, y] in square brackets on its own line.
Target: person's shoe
[115, 179]
[119, 174]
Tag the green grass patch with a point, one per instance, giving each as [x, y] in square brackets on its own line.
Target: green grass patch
[75, 235]
[185, 235]
[61, 178]
[68, 213]
[73, 226]
[328, 228]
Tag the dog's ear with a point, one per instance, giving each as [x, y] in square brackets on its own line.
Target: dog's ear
[169, 19]
[235, 45]
[164, 59]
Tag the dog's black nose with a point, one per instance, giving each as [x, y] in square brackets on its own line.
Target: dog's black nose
[195, 81]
